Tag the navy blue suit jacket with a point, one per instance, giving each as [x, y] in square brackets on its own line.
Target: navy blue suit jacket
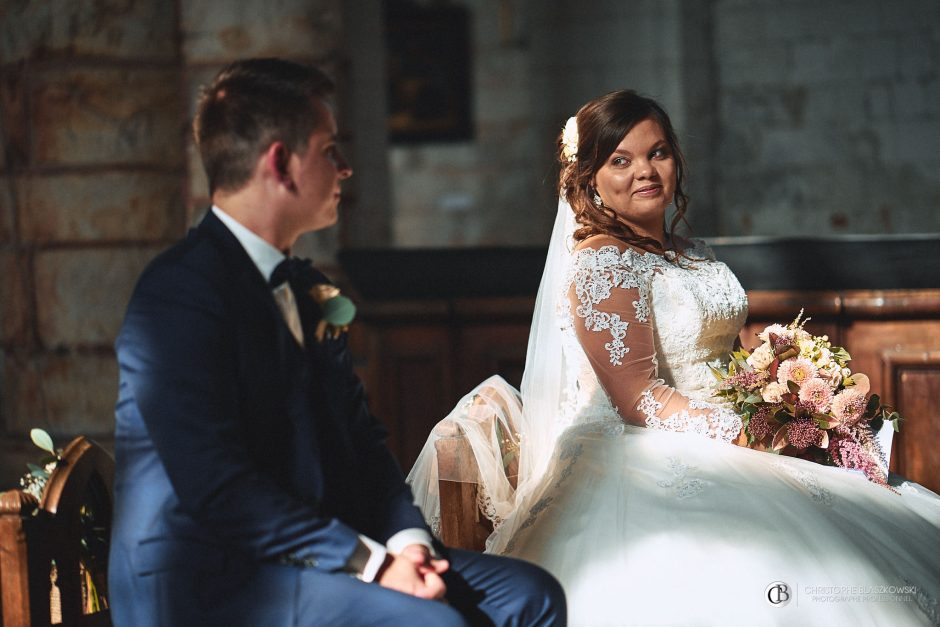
[235, 446]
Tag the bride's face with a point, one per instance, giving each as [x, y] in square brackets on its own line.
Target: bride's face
[638, 179]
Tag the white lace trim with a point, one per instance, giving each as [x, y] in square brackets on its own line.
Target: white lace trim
[719, 423]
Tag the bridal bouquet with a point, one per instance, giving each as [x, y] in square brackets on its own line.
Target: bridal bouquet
[795, 394]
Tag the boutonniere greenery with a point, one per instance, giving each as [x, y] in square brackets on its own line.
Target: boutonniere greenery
[338, 311]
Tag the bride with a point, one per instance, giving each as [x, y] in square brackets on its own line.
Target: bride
[635, 488]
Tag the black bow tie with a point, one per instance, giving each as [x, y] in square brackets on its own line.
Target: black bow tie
[300, 273]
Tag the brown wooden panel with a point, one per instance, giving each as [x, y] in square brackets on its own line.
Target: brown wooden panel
[891, 303]
[871, 342]
[785, 304]
[484, 350]
[408, 373]
[912, 378]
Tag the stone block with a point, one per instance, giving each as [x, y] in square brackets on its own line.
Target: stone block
[904, 15]
[911, 101]
[139, 206]
[81, 294]
[846, 58]
[768, 64]
[912, 144]
[123, 29]
[15, 299]
[919, 54]
[879, 103]
[70, 393]
[215, 32]
[104, 116]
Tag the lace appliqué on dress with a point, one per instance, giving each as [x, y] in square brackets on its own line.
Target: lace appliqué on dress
[719, 423]
[595, 274]
[809, 481]
[486, 506]
[683, 486]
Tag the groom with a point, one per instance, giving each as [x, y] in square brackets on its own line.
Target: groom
[253, 486]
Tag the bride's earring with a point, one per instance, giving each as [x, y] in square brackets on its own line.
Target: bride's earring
[597, 199]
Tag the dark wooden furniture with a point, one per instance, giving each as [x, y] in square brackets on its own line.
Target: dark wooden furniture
[53, 551]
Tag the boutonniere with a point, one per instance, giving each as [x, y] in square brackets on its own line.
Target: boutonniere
[338, 311]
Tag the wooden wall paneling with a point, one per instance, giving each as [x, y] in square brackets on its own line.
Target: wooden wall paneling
[912, 380]
[870, 342]
[408, 375]
[492, 336]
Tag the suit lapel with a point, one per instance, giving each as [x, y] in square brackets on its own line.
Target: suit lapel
[247, 274]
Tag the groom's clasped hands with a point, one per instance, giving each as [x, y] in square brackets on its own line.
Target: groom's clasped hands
[414, 571]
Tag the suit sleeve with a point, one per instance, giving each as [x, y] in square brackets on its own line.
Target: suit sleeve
[389, 498]
[179, 369]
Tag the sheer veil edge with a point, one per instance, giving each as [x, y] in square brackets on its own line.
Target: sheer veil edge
[499, 422]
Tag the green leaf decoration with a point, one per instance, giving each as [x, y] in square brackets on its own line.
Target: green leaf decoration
[753, 398]
[793, 387]
[43, 440]
[840, 354]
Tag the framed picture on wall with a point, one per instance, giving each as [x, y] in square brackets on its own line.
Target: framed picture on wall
[429, 73]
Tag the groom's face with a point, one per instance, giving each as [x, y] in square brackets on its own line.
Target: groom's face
[317, 174]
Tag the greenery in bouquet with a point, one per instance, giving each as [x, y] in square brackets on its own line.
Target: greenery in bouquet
[797, 396]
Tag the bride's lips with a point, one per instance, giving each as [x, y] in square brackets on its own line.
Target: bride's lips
[649, 191]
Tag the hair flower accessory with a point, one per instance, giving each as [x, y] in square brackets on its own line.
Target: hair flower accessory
[569, 140]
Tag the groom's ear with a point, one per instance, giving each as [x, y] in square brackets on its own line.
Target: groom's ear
[277, 162]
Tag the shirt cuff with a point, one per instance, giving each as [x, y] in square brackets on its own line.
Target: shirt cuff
[366, 559]
[406, 537]
[370, 555]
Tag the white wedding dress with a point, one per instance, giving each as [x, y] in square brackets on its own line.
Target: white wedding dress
[669, 524]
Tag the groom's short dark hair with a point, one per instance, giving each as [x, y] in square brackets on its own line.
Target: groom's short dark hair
[249, 105]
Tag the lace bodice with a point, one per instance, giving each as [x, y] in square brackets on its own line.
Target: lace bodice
[640, 331]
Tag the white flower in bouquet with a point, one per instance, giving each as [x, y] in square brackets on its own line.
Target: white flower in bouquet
[773, 392]
[775, 329]
[807, 347]
[762, 357]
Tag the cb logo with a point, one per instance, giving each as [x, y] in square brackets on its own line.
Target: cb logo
[778, 594]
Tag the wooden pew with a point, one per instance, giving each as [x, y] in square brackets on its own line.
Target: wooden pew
[75, 508]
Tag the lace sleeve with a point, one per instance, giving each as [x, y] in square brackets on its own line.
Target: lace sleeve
[610, 295]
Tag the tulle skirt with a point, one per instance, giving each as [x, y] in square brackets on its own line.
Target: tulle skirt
[645, 527]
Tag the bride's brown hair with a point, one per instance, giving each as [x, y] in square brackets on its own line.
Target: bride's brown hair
[602, 125]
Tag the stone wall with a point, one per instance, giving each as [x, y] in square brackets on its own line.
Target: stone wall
[797, 117]
[91, 180]
[829, 116]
